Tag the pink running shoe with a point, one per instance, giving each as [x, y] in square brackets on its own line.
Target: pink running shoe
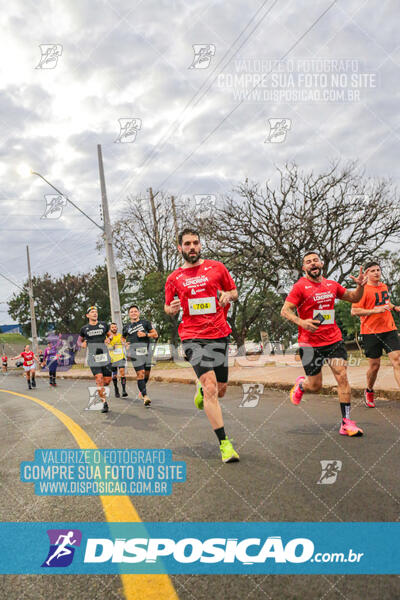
[296, 393]
[349, 427]
[369, 399]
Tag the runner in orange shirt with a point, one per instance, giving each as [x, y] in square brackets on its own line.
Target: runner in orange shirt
[377, 328]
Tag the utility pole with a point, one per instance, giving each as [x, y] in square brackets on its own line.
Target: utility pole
[111, 270]
[35, 346]
[156, 231]
[175, 219]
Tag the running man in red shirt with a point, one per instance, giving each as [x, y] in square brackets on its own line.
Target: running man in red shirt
[4, 363]
[203, 289]
[29, 365]
[378, 329]
[320, 339]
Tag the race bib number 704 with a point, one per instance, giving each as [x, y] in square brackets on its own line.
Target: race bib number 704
[202, 306]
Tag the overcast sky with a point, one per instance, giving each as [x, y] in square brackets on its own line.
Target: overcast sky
[131, 60]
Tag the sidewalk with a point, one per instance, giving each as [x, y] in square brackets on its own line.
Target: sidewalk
[278, 373]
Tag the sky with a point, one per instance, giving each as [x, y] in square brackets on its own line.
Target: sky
[190, 97]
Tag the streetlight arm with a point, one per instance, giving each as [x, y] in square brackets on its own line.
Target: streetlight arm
[70, 201]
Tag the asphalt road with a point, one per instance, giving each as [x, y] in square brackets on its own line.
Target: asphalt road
[280, 445]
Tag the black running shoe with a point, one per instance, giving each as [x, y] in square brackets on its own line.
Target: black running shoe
[105, 407]
[117, 395]
[29, 386]
[124, 394]
[33, 383]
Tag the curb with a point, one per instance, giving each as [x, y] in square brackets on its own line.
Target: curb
[330, 390]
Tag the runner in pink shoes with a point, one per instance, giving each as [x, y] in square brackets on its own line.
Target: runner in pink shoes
[320, 339]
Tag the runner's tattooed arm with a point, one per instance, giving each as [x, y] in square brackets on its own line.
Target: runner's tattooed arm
[288, 313]
[356, 295]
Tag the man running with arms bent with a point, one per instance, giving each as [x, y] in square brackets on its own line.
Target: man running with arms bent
[138, 334]
[378, 329]
[118, 360]
[320, 339]
[204, 330]
[94, 336]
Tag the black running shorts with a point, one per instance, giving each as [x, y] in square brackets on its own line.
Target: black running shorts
[208, 355]
[313, 358]
[376, 343]
[105, 370]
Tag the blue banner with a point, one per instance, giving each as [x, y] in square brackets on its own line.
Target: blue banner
[200, 548]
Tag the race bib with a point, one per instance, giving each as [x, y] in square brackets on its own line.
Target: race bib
[100, 358]
[202, 306]
[29, 363]
[329, 316]
[141, 351]
[118, 351]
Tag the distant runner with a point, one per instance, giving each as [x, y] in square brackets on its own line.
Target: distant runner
[94, 337]
[378, 329]
[138, 334]
[29, 365]
[118, 360]
[203, 289]
[320, 339]
[50, 360]
[4, 363]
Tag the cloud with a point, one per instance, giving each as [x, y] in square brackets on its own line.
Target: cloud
[132, 60]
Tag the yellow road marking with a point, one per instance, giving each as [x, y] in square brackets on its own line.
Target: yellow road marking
[116, 509]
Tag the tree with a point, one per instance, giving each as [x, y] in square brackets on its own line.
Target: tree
[262, 234]
[62, 302]
[145, 241]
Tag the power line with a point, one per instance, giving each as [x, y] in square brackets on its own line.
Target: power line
[283, 57]
[162, 142]
[13, 282]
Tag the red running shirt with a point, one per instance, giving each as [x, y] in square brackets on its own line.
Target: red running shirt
[196, 288]
[311, 298]
[28, 358]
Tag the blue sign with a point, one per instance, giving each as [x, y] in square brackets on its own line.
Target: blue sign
[200, 548]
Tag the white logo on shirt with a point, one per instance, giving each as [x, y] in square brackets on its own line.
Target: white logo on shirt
[206, 268]
[307, 287]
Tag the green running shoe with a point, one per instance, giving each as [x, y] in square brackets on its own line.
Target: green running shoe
[198, 398]
[228, 453]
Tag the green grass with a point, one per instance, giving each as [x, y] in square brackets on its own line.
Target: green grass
[13, 338]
